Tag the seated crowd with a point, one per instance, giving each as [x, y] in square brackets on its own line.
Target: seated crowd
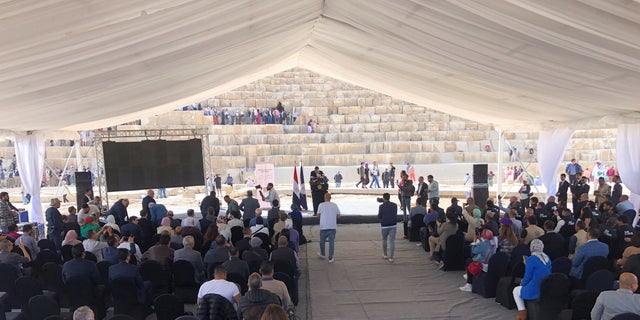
[228, 267]
[516, 251]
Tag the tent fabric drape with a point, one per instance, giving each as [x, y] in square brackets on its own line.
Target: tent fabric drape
[507, 63]
[628, 159]
[552, 145]
[30, 160]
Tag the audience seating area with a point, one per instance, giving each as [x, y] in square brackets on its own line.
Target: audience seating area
[39, 291]
[562, 295]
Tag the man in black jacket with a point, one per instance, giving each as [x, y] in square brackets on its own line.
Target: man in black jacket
[388, 216]
[422, 190]
[119, 211]
[148, 199]
[563, 188]
[55, 226]
[210, 201]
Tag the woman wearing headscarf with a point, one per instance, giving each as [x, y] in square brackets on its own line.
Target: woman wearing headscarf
[537, 267]
[165, 225]
[474, 222]
[71, 238]
[111, 222]
[294, 236]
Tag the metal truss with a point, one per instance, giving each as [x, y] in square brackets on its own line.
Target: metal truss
[101, 177]
[196, 132]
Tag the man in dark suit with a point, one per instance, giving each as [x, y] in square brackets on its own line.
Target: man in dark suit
[55, 226]
[284, 254]
[132, 228]
[248, 206]
[592, 248]
[119, 211]
[124, 270]
[553, 242]
[79, 267]
[88, 196]
[244, 243]
[210, 201]
[422, 190]
[617, 191]
[563, 188]
[148, 199]
[235, 265]
[148, 230]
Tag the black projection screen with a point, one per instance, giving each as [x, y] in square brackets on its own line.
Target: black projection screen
[153, 164]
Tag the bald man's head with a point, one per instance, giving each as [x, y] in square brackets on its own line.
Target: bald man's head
[628, 281]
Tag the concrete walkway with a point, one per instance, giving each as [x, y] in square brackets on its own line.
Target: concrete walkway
[360, 284]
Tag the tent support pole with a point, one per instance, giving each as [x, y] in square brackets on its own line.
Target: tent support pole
[499, 155]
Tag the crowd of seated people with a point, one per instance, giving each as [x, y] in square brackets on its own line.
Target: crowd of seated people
[537, 243]
[226, 261]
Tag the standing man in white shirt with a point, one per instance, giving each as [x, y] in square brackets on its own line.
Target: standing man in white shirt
[272, 194]
[328, 214]
[434, 189]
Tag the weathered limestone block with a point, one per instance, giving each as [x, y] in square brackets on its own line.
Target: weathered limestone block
[381, 110]
[440, 117]
[461, 146]
[273, 129]
[457, 125]
[404, 135]
[367, 110]
[391, 136]
[450, 146]
[349, 110]
[385, 126]
[475, 146]
[421, 118]
[333, 129]
[426, 157]
[401, 146]
[372, 127]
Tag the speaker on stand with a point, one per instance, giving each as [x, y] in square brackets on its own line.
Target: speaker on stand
[480, 185]
[83, 182]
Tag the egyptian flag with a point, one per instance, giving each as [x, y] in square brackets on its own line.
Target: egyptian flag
[296, 187]
[303, 193]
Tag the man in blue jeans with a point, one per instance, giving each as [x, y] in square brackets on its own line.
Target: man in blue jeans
[328, 214]
[388, 216]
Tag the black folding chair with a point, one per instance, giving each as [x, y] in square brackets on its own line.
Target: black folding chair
[168, 307]
[41, 307]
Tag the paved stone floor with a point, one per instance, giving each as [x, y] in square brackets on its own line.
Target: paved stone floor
[360, 284]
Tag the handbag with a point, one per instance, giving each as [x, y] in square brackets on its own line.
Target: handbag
[475, 268]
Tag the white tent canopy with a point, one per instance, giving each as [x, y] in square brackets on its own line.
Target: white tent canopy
[75, 65]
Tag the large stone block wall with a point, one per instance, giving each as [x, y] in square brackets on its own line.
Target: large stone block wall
[354, 124]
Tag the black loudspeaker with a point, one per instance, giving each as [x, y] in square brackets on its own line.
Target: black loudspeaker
[480, 172]
[480, 185]
[83, 182]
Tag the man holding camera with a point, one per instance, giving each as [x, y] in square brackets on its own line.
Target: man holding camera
[271, 194]
[388, 216]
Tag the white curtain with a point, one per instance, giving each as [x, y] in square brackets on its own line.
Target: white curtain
[551, 147]
[628, 159]
[30, 158]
